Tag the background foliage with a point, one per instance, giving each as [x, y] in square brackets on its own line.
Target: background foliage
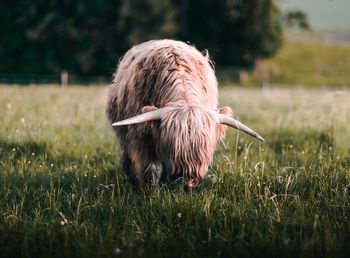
[238, 32]
[88, 37]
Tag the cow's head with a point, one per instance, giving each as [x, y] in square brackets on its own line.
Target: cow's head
[187, 138]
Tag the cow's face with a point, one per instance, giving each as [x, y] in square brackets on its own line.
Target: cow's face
[186, 138]
[187, 141]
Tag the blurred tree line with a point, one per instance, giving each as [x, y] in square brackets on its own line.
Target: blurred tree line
[296, 18]
[88, 37]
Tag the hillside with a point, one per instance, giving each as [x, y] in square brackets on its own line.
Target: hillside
[311, 63]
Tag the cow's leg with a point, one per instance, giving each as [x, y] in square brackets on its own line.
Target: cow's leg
[145, 167]
[154, 173]
[128, 169]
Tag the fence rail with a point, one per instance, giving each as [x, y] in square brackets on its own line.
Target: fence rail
[224, 75]
[63, 79]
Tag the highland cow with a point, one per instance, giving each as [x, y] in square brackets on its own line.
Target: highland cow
[163, 105]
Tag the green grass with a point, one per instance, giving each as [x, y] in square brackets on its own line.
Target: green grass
[310, 63]
[63, 194]
[305, 60]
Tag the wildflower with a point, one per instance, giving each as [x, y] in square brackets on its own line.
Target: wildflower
[117, 250]
[259, 164]
[33, 154]
[64, 220]
[23, 120]
[179, 215]
[14, 149]
[157, 230]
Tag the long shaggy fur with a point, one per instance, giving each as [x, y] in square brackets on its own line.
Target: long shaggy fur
[166, 73]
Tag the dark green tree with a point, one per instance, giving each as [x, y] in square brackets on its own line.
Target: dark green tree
[296, 19]
[236, 32]
[144, 20]
[88, 37]
[49, 36]
[83, 37]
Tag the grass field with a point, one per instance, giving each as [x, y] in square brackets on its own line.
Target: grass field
[63, 194]
[306, 59]
[310, 63]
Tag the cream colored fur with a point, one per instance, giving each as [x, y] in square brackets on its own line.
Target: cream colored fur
[166, 73]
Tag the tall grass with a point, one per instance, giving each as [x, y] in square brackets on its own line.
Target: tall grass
[62, 191]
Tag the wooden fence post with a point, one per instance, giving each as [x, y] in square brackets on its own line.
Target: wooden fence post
[64, 79]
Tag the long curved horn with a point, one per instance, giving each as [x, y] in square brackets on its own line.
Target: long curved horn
[145, 117]
[227, 120]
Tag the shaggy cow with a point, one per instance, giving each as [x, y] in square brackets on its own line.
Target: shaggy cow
[163, 106]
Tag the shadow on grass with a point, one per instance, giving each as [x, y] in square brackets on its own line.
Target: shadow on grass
[37, 183]
[300, 140]
[34, 165]
[17, 150]
[106, 218]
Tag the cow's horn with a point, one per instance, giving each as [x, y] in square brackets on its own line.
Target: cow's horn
[145, 117]
[227, 120]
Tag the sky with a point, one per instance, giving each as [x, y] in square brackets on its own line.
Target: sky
[323, 14]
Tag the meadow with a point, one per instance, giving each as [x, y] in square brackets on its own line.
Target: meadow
[307, 59]
[63, 193]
